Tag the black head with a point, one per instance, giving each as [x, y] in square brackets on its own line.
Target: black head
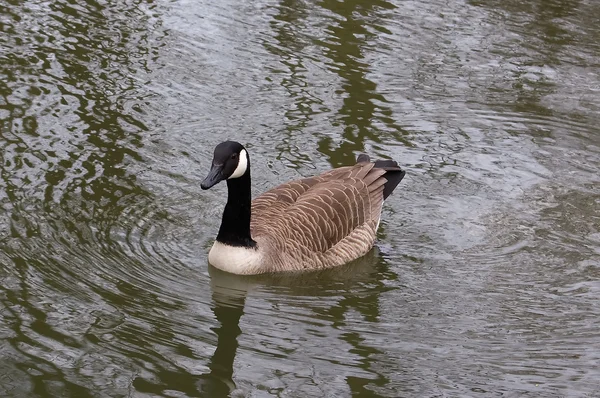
[230, 160]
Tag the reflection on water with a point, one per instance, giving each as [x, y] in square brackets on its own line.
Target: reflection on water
[364, 114]
[485, 278]
[355, 287]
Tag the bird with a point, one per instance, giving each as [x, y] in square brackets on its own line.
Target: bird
[310, 223]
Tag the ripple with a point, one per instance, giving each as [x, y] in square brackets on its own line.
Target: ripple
[484, 279]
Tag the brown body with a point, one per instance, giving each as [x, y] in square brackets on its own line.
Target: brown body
[319, 222]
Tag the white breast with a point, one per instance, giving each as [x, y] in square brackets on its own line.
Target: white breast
[235, 259]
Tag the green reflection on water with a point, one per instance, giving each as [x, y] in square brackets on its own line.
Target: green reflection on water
[364, 115]
[350, 39]
[71, 122]
[540, 29]
[73, 116]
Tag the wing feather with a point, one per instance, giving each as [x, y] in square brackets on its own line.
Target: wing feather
[335, 212]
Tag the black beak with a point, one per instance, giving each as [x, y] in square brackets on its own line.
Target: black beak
[214, 176]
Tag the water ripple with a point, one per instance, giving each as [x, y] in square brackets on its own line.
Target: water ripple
[484, 280]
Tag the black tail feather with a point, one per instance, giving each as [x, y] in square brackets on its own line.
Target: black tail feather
[394, 174]
[393, 179]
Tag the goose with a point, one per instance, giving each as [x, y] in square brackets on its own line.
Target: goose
[307, 224]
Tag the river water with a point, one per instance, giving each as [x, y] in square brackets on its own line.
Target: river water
[486, 274]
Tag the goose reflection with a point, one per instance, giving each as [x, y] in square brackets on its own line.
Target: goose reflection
[229, 294]
[228, 308]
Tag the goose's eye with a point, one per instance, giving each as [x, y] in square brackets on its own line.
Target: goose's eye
[235, 155]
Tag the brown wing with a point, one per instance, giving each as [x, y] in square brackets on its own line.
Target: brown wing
[315, 214]
[273, 203]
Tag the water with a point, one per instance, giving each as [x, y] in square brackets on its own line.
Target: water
[486, 273]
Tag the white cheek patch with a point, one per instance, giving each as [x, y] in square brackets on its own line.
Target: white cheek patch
[242, 165]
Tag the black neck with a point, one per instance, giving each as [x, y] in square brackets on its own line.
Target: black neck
[235, 226]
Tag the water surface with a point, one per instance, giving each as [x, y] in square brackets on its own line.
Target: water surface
[485, 278]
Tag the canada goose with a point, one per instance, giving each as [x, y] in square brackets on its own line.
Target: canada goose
[311, 223]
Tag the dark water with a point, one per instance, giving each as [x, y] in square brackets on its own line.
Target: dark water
[486, 277]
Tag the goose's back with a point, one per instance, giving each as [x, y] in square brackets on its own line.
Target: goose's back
[321, 221]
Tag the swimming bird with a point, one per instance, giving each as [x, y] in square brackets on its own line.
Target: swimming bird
[307, 224]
